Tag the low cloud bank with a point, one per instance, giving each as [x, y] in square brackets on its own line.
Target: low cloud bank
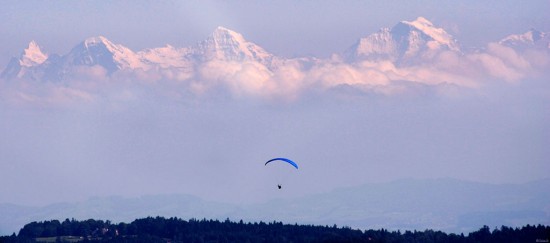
[285, 80]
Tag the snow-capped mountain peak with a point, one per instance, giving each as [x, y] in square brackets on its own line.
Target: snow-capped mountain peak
[32, 55]
[221, 33]
[404, 43]
[30, 58]
[437, 34]
[228, 45]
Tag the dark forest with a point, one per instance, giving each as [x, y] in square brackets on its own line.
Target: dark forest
[159, 229]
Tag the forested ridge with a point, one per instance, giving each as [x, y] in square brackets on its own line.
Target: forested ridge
[159, 229]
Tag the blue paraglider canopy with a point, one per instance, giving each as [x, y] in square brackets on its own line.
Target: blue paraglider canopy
[284, 160]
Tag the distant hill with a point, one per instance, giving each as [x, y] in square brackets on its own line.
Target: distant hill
[441, 204]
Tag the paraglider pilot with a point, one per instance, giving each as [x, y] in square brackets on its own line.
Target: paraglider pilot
[285, 160]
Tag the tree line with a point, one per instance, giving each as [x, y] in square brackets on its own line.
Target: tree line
[159, 229]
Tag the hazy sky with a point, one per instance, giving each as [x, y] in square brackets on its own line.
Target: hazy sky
[138, 142]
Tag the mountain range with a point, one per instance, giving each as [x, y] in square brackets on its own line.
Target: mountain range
[408, 43]
[223, 44]
[449, 205]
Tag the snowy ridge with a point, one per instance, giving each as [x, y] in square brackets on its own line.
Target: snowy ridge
[165, 57]
[531, 38]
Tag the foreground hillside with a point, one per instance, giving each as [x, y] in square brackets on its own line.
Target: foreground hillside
[161, 229]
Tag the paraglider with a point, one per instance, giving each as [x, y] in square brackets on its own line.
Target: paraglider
[292, 163]
[283, 159]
